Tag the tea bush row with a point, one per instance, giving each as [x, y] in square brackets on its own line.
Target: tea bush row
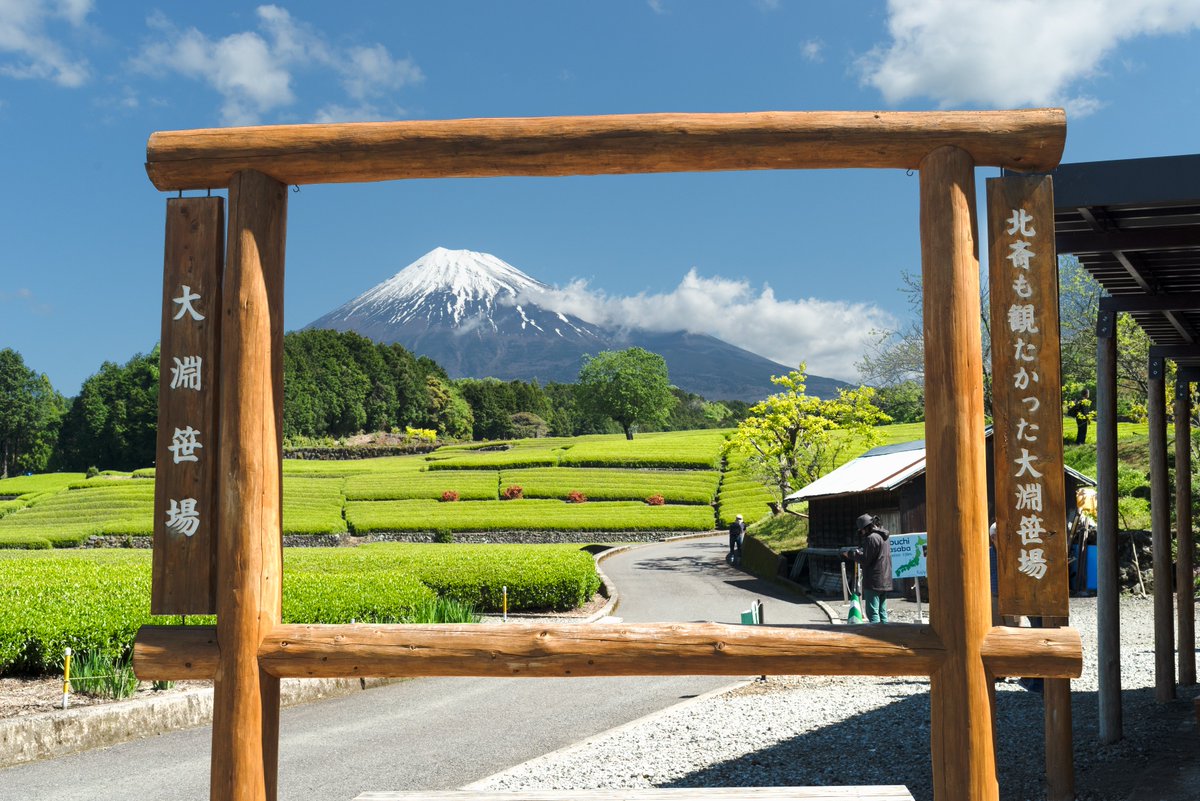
[471, 485]
[675, 449]
[96, 600]
[607, 484]
[524, 515]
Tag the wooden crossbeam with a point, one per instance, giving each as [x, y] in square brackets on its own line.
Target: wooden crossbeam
[886, 792]
[1173, 237]
[649, 649]
[1027, 140]
[1176, 301]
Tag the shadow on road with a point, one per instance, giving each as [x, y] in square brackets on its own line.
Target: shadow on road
[890, 745]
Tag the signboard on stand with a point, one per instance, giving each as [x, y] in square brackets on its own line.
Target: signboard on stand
[1031, 519]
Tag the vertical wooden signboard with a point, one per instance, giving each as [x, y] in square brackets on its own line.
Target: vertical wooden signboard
[185, 491]
[1031, 522]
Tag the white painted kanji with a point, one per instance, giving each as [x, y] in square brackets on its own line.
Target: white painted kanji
[183, 517]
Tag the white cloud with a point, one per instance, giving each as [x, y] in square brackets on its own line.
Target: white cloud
[829, 335]
[255, 71]
[1010, 53]
[36, 55]
[656, 6]
[813, 50]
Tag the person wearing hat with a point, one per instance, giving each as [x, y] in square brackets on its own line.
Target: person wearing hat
[875, 556]
[737, 533]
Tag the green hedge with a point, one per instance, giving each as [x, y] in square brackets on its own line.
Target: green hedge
[607, 484]
[674, 449]
[95, 600]
[524, 515]
[473, 485]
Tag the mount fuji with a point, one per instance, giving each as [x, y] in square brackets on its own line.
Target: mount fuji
[471, 312]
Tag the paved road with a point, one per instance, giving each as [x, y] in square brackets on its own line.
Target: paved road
[438, 733]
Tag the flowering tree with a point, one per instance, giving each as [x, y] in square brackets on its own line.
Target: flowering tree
[791, 439]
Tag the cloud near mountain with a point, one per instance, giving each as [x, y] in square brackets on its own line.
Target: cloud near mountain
[829, 335]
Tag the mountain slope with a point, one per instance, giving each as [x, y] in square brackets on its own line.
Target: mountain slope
[470, 312]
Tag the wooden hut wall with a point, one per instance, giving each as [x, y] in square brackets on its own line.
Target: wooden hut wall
[831, 525]
[912, 506]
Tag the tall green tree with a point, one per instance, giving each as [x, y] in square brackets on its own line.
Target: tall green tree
[630, 386]
[30, 414]
[113, 421]
[791, 439]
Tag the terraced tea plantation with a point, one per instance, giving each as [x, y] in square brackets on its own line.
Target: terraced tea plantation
[662, 482]
[658, 482]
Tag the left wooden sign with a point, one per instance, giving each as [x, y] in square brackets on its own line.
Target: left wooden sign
[185, 487]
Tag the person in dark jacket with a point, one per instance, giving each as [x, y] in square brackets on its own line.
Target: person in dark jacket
[737, 534]
[875, 556]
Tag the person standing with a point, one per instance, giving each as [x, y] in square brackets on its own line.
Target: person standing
[875, 556]
[737, 534]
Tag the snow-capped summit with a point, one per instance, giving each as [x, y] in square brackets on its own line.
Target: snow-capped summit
[475, 315]
[456, 286]
[469, 311]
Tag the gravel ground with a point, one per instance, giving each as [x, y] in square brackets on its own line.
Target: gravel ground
[796, 731]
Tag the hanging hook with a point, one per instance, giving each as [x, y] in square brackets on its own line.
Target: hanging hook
[295, 189]
[908, 172]
[180, 195]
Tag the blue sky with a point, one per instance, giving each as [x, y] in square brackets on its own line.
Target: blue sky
[794, 265]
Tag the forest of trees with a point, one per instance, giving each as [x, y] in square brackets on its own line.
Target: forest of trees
[336, 384]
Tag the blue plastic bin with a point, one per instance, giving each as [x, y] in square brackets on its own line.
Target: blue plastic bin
[1091, 567]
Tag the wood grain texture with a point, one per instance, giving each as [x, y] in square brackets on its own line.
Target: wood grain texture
[1185, 600]
[507, 650]
[184, 568]
[964, 762]
[1028, 418]
[1160, 528]
[661, 649]
[892, 792]
[176, 653]
[1060, 751]
[249, 564]
[1108, 589]
[1030, 140]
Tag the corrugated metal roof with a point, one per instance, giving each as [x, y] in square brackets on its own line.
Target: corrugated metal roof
[879, 470]
[871, 471]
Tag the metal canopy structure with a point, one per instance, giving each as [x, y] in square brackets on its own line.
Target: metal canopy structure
[1134, 225]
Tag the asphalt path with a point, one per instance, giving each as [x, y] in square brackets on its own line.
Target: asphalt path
[437, 734]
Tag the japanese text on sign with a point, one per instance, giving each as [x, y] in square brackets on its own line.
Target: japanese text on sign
[1030, 512]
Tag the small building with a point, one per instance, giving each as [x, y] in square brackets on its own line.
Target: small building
[888, 481]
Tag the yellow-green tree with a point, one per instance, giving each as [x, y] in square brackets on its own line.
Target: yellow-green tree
[791, 439]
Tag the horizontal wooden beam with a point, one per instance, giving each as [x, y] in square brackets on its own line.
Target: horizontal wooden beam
[1028, 140]
[1163, 238]
[651, 649]
[1176, 353]
[1179, 301]
[843, 792]
[175, 653]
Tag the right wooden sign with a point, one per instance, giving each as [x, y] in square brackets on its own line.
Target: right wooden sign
[1031, 519]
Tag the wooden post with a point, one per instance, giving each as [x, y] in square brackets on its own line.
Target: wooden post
[1108, 590]
[964, 758]
[1160, 527]
[249, 554]
[1185, 597]
[1060, 755]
